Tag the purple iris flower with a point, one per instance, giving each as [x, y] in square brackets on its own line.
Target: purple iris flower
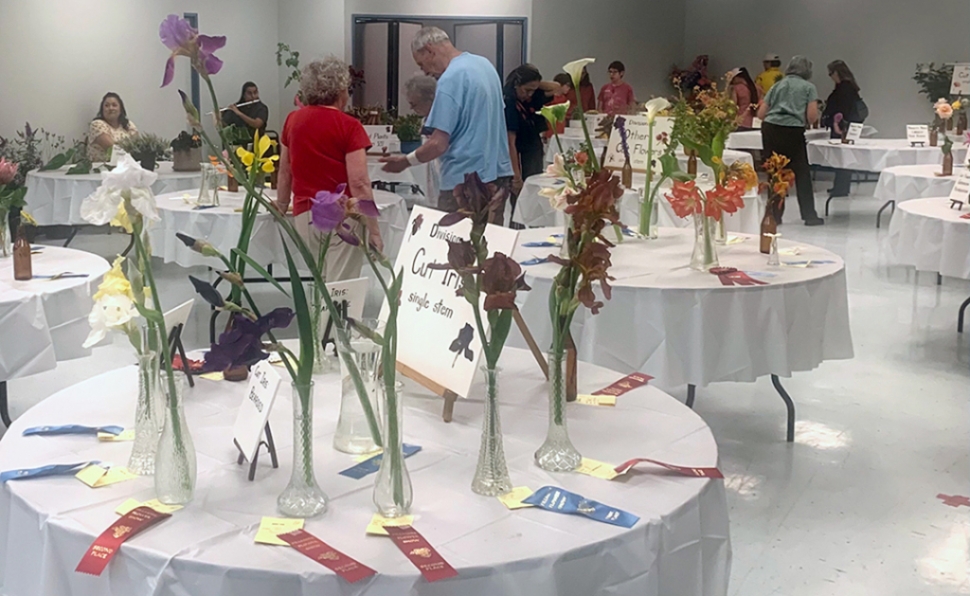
[329, 212]
[180, 37]
[242, 345]
[207, 58]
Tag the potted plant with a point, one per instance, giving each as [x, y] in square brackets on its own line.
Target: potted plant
[186, 152]
[408, 131]
[147, 149]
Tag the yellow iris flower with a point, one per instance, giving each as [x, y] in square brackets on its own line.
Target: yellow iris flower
[261, 145]
[121, 219]
[115, 283]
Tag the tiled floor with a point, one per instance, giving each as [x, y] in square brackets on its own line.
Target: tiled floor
[851, 507]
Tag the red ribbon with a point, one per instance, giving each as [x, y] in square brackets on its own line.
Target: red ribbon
[692, 472]
[106, 546]
[627, 383]
[730, 276]
[431, 564]
[965, 216]
[334, 560]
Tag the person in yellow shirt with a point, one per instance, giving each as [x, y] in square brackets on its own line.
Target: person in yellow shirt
[771, 74]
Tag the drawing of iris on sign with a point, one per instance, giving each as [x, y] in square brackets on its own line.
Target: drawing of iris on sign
[418, 222]
[461, 344]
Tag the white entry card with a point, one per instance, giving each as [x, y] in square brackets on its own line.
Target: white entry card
[960, 83]
[855, 132]
[638, 140]
[961, 189]
[918, 133]
[437, 334]
[382, 139]
[253, 413]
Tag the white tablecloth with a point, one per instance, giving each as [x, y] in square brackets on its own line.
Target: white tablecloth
[928, 235]
[902, 183]
[574, 143]
[680, 546]
[875, 155]
[750, 140]
[534, 210]
[417, 176]
[221, 226]
[44, 321]
[54, 198]
[730, 155]
[682, 326]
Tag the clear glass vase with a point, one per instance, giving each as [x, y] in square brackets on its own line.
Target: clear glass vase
[302, 497]
[392, 487]
[175, 465]
[567, 225]
[322, 361]
[720, 230]
[149, 416]
[354, 433]
[704, 257]
[209, 187]
[6, 238]
[492, 473]
[649, 213]
[557, 453]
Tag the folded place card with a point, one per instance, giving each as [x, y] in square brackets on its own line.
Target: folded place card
[379, 522]
[371, 465]
[44, 471]
[558, 500]
[321, 552]
[106, 546]
[596, 400]
[513, 499]
[271, 527]
[71, 429]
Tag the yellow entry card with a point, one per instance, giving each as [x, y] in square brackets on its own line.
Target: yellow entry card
[367, 456]
[213, 376]
[128, 435]
[96, 476]
[513, 498]
[377, 523]
[155, 504]
[597, 469]
[271, 527]
[596, 400]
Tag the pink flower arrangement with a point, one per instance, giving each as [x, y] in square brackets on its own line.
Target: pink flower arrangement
[943, 109]
[8, 170]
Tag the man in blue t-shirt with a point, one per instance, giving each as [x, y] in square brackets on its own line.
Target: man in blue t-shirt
[467, 116]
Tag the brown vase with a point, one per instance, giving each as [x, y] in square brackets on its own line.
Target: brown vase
[22, 268]
[232, 185]
[768, 224]
[961, 123]
[274, 179]
[934, 136]
[627, 178]
[949, 123]
[845, 135]
[948, 164]
[187, 160]
[691, 162]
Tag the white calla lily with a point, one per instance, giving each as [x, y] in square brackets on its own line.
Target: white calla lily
[655, 106]
[575, 69]
[112, 311]
[102, 206]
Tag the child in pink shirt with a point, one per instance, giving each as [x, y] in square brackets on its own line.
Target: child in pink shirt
[616, 97]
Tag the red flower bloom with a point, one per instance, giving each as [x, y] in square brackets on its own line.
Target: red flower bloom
[502, 277]
[724, 198]
[686, 199]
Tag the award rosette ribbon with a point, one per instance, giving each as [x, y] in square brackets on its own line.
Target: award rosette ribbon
[627, 383]
[109, 542]
[693, 472]
[334, 560]
[730, 276]
[431, 564]
[558, 500]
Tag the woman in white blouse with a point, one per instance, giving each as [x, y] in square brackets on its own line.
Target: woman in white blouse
[109, 127]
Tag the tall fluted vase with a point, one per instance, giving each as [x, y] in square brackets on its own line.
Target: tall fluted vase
[302, 497]
[175, 464]
[704, 257]
[492, 473]
[392, 487]
[149, 416]
[6, 238]
[557, 453]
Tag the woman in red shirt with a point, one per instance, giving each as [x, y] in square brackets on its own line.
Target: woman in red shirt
[323, 147]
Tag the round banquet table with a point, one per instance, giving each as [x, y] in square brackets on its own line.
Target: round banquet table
[683, 327]
[750, 140]
[54, 198]
[534, 210]
[413, 183]
[902, 183]
[43, 321]
[220, 226]
[680, 546]
[930, 236]
[730, 155]
[875, 155]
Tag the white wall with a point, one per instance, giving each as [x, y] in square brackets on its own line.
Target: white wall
[880, 40]
[646, 35]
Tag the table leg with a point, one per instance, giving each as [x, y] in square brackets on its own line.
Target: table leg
[788, 404]
[889, 203]
[829, 200]
[963, 310]
[4, 413]
[71, 236]
[939, 279]
[691, 390]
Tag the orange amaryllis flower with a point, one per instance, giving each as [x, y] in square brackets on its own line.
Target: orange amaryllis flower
[686, 199]
[723, 198]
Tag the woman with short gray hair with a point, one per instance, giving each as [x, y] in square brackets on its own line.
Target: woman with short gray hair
[420, 90]
[789, 107]
[324, 148]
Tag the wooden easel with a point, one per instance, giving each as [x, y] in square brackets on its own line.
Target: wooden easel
[450, 396]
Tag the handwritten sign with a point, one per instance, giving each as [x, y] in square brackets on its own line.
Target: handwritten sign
[382, 139]
[961, 189]
[960, 83]
[638, 139]
[855, 132]
[350, 294]
[437, 334]
[253, 413]
[918, 134]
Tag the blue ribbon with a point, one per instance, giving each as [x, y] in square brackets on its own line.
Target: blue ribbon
[370, 466]
[541, 244]
[52, 470]
[72, 429]
[559, 500]
[535, 261]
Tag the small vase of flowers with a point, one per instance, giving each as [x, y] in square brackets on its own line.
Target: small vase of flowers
[186, 152]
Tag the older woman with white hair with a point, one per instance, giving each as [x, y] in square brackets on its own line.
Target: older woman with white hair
[420, 90]
[323, 147]
[790, 105]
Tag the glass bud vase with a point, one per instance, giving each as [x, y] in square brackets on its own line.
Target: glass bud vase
[557, 453]
[175, 465]
[322, 361]
[354, 434]
[392, 487]
[149, 416]
[567, 225]
[302, 497]
[6, 238]
[720, 230]
[704, 257]
[492, 473]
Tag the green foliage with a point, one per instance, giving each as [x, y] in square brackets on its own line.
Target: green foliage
[58, 161]
[237, 136]
[933, 81]
[408, 128]
[29, 148]
[145, 145]
[291, 61]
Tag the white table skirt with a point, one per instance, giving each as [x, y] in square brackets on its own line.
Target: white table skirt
[680, 545]
[534, 210]
[928, 235]
[902, 183]
[730, 155]
[221, 226]
[54, 198]
[419, 176]
[750, 140]
[875, 155]
[682, 326]
[44, 321]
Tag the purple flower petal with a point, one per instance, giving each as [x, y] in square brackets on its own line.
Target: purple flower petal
[347, 235]
[368, 208]
[341, 188]
[212, 64]
[279, 318]
[169, 71]
[326, 214]
[209, 44]
[175, 32]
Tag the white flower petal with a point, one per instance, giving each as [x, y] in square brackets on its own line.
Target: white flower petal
[143, 200]
[575, 69]
[101, 207]
[128, 174]
[655, 106]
